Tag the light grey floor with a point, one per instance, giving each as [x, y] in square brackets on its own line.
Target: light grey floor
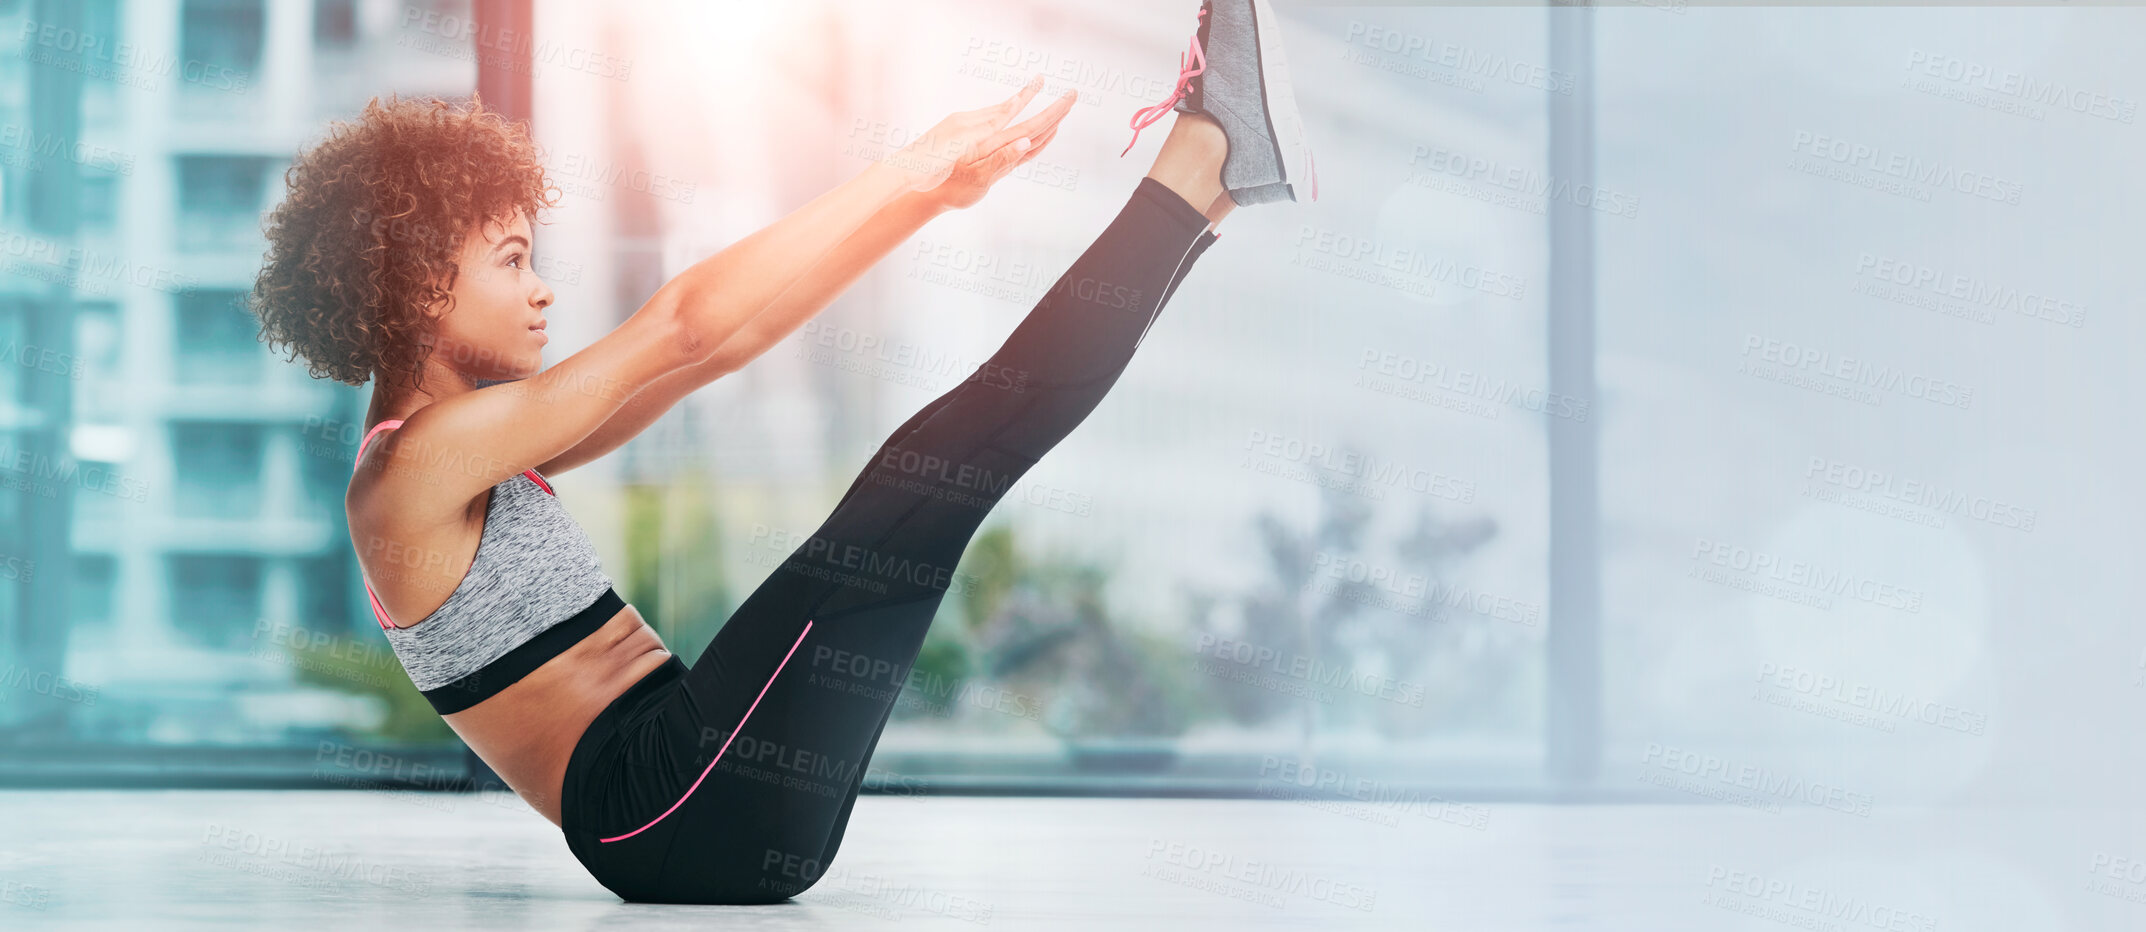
[398, 862]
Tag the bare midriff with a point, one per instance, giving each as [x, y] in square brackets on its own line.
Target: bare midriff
[527, 731]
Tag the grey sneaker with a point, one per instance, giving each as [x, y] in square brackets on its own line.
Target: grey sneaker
[1237, 73]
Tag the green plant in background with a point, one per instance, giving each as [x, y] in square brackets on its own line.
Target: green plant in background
[943, 665]
[673, 572]
[347, 666]
[992, 567]
[1042, 626]
[989, 569]
[1322, 610]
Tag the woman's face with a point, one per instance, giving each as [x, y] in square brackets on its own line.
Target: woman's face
[494, 330]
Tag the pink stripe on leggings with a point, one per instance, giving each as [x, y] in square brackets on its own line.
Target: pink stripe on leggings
[726, 742]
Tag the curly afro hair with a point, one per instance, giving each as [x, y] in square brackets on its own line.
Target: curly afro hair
[372, 231]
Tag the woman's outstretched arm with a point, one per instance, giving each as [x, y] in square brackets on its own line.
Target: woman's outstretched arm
[826, 281]
[822, 284]
[454, 449]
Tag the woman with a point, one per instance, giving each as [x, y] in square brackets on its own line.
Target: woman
[402, 254]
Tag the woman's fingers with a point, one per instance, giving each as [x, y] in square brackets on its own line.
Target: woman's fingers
[1041, 141]
[1034, 126]
[1010, 156]
[1004, 112]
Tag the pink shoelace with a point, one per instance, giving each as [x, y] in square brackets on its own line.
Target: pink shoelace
[1185, 73]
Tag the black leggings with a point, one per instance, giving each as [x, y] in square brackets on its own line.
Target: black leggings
[731, 782]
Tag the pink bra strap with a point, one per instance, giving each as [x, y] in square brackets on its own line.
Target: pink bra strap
[379, 611]
[384, 426]
[377, 430]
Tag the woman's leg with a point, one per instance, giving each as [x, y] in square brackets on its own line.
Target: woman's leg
[780, 714]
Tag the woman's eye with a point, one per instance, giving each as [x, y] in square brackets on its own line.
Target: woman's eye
[515, 261]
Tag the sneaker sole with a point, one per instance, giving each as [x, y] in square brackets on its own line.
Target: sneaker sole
[1285, 123]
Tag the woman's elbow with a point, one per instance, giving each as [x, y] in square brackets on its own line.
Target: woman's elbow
[686, 335]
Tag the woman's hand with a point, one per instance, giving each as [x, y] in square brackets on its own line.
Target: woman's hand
[959, 159]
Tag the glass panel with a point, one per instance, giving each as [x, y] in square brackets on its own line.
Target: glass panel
[215, 597]
[220, 200]
[148, 481]
[1311, 517]
[217, 339]
[1867, 360]
[335, 23]
[222, 33]
[219, 469]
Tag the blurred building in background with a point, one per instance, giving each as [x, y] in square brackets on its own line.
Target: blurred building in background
[1271, 541]
[205, 474]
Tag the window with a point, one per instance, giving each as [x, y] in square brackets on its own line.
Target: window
[98, 190]
[222, 34]
[159, 529]
[219, 340]
[95, 576]
[215, 597]
[326, 597]
[220, 201]
[101, 392]
[218, 468]
[324, 465]
[335, 23]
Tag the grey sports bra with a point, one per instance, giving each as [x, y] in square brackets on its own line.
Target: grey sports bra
[534, 588]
